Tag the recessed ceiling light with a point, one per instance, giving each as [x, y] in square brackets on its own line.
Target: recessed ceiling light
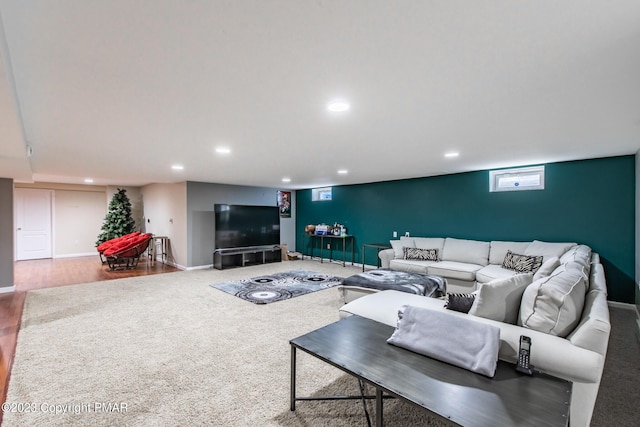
[177, 167]
[338, 106]
[223, 150]
[343, 171]
[286, 179]
[88, 181]
[452, 154]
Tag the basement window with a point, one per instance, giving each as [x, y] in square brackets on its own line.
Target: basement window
[320, 194]
[517, 179]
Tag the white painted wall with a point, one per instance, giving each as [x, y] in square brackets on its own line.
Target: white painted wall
[165, 214]
[78, 217]
[78, 213]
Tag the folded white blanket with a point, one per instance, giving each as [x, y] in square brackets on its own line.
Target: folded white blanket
[452, 339]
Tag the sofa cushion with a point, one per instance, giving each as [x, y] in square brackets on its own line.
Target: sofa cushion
[466, 251]
[410, 265]
[547, 249]
[498, 250]
[499, 299]
[397, 246]
[454, 270]
[430, 243]
[492, 272]
[522, 263]
[547, 268]
[554, 304]
[578, 253]
[420, 254]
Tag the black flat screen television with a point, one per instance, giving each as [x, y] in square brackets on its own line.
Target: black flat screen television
[239, 226]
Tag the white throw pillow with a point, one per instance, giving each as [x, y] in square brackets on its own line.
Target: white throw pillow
[500, 299]
[547, 268]
[547, 249]
[578, 253]
[397, 246]
[576, 267]
[554, 304]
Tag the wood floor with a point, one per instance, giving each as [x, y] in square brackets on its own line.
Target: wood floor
[48, 273]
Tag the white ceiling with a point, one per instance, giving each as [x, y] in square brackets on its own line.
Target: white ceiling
[120, 90]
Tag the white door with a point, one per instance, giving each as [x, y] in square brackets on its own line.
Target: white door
[33, 223]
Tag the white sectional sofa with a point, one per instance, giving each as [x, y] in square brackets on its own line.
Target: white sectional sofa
[562, 307]
[464, 263]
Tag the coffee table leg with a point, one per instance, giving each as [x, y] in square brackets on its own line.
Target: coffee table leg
[379, 407]
[293, 378]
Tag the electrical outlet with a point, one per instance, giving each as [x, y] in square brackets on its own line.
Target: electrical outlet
[395, 234]
[328, 245]
[406, 234]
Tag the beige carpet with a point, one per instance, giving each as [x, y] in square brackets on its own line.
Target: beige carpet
[169, 350]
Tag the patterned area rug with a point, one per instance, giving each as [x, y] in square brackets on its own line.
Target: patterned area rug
[278, 286]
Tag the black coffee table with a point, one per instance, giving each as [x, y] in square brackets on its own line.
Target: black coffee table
[358, 347]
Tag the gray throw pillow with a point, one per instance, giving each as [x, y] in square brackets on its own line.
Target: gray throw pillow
[420, 254]
[459, 302]
[547, 268]
[522, 263]
[500, 299]
[399, 245]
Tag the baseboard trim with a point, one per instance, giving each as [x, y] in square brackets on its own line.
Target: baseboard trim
[178, 266]
[159, 260]
[199, 267]
[623, 305]
[7, 289]
[76, 255]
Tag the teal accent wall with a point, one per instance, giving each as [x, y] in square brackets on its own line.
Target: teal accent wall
[588, 201]
[637, 276]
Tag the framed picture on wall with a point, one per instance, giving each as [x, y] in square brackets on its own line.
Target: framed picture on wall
[284, 204]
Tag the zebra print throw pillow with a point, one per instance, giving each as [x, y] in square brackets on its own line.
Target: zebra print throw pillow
[459, 302]
[420, 254]
[522, 263]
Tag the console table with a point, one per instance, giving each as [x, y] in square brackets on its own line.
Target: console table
[329, 238]
[378, 247]
[358, 346]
